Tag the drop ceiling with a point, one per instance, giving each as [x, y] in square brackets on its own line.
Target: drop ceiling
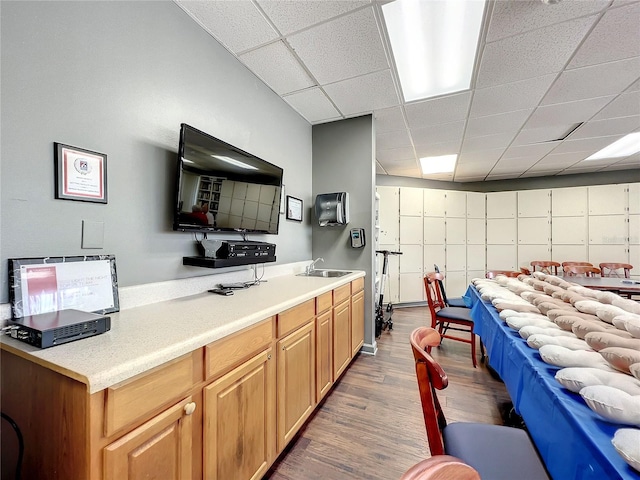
[552, 84]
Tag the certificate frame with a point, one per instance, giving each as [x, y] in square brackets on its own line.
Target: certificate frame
[80, 174]
[294, 208]
[47, 284]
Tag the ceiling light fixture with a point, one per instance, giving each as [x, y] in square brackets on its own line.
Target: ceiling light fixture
[235, 162]
[434, 44]
[441, 164]
[627, 145]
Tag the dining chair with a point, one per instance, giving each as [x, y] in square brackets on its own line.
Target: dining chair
[611, 270]
[441, 467]
[445, 318]
[578, 270]
[545, 266]
[579, 264]
[449, 302]
[494, 451]
[508, 273]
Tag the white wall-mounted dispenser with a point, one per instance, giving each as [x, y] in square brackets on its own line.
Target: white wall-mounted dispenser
[332, 209]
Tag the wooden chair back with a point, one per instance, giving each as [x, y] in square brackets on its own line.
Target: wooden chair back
[435, 300]
[578, 264]
[545, 266]
[508, 273]
[611, 270]
[442, 467]
[577, 270]
[431, 377]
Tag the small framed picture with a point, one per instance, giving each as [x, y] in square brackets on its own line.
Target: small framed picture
[294, 208]
[80, 174]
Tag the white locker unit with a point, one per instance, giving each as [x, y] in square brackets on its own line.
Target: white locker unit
[608, 224]
[502, 231]
[634, 199]
[434, 232]
[534, 203]
[502, 205]
[411, 272]
[502, 257]
[476, 205]
[389, 216]
[534, 226]
[434, 202]
[434, 255]
[456, 231]
[569, 224]
[455, 204]
[411, 201]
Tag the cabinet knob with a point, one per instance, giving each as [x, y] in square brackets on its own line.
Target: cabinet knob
[189, 408]
[269, 357]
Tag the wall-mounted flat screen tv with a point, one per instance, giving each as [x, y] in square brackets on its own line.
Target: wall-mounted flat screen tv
[222, 188]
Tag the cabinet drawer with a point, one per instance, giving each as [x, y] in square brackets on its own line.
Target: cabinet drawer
[340, 294]
[357, 285]
[228, 352]
[291, 319]
[130, 400]
[324, 302]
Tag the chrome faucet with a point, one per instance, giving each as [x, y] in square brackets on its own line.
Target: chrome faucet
[312, 267]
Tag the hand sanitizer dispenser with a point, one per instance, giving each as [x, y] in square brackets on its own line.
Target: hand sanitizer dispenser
[332, 209]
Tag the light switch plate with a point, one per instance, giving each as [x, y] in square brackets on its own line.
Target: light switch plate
[92, 234]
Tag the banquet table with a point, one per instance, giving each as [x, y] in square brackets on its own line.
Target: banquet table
[573, 441]
[611, 284]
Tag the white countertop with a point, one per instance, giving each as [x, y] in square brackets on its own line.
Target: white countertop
[144, 337]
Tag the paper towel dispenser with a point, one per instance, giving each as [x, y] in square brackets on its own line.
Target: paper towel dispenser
[332, 209]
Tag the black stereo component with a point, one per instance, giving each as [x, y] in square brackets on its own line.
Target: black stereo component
[237, 249]
[55, 328]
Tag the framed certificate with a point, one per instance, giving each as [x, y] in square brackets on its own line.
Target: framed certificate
[294, 209]
[80, 174]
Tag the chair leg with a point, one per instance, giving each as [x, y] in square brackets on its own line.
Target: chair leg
[473, 349]
[483, 352]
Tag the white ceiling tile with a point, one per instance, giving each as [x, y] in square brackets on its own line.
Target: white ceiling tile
[399, 139]
[395, 155]
[238, 25]
[513, 17]
[389, 120]
[443, 133]
[591, 145]
[567, 113]
[634, 87]
[625, 105]
[442, 177]
[342, 48]
[446, 109]
[503, 176]
[594, 81]
[364, 94]
[472, 178]
[621, 166]
[576, 170]
[480, 156]
[531, 54]
[405, 172]
[278, 68]
[290, 16]
[510, 96]
[543, 134]
[486, 143]
[612, 38]
[517, 165]
[532, 172]
[506, 123]
[561, 160]
[312, 104]
[611, 126]
[474, 168]
[436, 149]
[536, 151]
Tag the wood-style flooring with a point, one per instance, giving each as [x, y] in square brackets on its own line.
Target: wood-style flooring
[370, 425]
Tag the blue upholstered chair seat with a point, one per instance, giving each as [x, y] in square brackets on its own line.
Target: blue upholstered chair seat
[455, 313]
[456, 302]
[495, 451]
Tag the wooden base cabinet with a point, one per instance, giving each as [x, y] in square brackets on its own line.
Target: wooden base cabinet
[324, 354]
[296, 381]
[341, 338]
[240, 421]
[160, 448]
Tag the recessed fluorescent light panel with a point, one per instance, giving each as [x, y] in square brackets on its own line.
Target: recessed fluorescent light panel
[235, 162]
[441, 164]
[434, 44]
[627, 145]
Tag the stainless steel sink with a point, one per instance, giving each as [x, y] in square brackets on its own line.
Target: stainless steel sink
[324, 273]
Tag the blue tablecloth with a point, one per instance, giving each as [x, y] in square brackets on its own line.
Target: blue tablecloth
[573, 441]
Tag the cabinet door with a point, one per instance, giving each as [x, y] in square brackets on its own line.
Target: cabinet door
[434, 202]
[608, 253]
[634, 198]
[569, 231]
[324, 349]
[456, 284]
[529, 253]
[569, 253]
[160, 448]
[434, 230]
[411, 259]
[607, 199]
[434, 255]
[357, 322]
[502, 257]
[476, 205]
[476, 258]
[341, 340]
[502, 231]
[456, 258]
[456, 204]
[389, 215]
[501, 205]
[411, 230]
[456, 231]
[475, 231]
[534, 203]
[634, 230]
[296, 381]
[569, 202]
[411, 201]
[240, 422]
[608, 229]
[412, 287]
[534, 231]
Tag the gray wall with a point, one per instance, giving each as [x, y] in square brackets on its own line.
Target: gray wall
[343, 161]
[577, 180]
[119, 78]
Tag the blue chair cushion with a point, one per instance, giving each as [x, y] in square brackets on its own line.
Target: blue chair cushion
[495, 451]
[456, 302]
[455, 313]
